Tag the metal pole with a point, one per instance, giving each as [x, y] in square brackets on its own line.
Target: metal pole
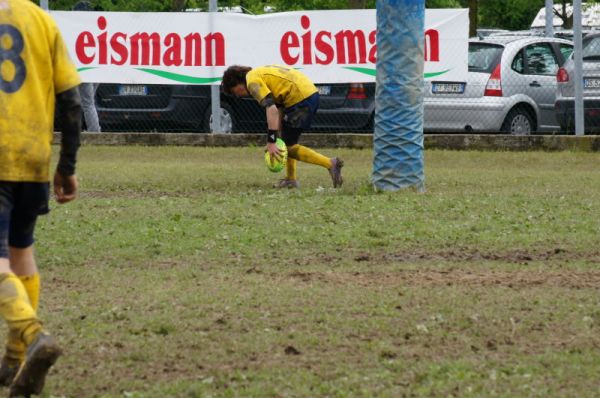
[44, 4]
[578, 79]
[549, 18]
[215, 92]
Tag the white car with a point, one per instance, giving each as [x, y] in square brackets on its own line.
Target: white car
[565, 99]
[511, 88]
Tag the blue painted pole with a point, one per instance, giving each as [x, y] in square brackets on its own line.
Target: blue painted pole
[398, 137]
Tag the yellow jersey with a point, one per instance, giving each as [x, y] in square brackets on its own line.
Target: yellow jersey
[287, 85]
[34, 68]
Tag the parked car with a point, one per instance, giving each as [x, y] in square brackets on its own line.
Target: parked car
[537, 32]
[482, 33]
[565, 99]
[511, 87]
[515, 33]
[343, 107]
[152, 107]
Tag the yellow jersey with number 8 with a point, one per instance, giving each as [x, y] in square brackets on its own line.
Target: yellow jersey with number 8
[34, 68]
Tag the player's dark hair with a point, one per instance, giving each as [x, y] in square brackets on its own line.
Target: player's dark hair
[233, 76]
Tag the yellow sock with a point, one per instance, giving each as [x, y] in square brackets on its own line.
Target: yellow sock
[16, 309]
[32, 287]
[15, 348]
[290, 169]
[307, 155]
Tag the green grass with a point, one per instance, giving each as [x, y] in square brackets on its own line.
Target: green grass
[179, 272]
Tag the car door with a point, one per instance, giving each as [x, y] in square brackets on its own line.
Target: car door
[540, 66]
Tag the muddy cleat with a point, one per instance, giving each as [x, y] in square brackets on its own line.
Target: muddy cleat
[285, 183]
[336, 172]
[41, 355]
[8, 370]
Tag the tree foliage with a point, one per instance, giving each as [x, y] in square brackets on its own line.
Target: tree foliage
[443, 4]
[131, 5]
[506, 14]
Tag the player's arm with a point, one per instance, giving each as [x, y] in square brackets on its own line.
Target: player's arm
[68, 104]
[273, 123]
[260, 91]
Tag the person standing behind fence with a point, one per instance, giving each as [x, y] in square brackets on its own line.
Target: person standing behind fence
[36, 74]
[88, 90]
[291, 101]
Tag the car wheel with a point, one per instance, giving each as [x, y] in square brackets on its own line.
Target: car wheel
[518, 122]
[228, 122]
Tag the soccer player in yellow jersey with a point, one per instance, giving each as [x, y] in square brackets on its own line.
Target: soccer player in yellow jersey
[35, 74]
[291, 101]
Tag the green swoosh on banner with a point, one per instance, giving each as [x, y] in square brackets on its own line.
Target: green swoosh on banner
[366, 71]
[373, 72]
[201, 80]
[180, 78]
[434, 74]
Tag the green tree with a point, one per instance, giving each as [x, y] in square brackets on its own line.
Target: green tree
[508, 14]
[443, 4]
[178, 5]
[115, 5]
[128, 5]
[562, 13]
[473, 17]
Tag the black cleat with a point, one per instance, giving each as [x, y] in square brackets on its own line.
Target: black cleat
[285, 183]
[336, 172]
[41, 355]
[8, 370]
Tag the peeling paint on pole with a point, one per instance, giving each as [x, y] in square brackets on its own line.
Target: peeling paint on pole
[398, 136]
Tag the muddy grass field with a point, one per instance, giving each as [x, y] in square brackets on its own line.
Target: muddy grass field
[179, 272]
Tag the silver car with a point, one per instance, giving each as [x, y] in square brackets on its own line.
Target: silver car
[511, 88]
[565, 112]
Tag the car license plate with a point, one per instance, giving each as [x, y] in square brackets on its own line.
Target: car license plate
[324, 90]
[133, 90]
[447, 88]
[591, 83]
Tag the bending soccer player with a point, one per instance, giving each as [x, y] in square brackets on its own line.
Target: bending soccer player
[37, 74]
[291, 101]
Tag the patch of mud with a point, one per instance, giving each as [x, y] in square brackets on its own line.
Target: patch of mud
[515, 256]
[131, 194]
[457, 277]
[555, 255]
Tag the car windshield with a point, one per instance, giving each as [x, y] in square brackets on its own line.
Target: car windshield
[483, 57]
[591, 50]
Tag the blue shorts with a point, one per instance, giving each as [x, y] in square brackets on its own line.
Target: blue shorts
[298, 118]
[20, 205]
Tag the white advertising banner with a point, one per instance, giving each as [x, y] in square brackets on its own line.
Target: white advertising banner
[195, 48]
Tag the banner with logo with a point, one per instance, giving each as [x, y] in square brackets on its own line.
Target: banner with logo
[195, 48]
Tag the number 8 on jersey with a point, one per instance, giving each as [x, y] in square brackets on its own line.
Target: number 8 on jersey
[12, 66]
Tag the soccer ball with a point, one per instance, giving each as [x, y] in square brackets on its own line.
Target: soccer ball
[272, 163]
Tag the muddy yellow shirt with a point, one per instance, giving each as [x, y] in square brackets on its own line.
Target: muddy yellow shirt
[287, 85]
[34, 67]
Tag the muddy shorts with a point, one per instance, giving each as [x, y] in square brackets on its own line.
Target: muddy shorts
[298, 118]
[20, 205]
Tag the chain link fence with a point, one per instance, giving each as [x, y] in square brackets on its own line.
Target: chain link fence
[187, 108]
[517, 83]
